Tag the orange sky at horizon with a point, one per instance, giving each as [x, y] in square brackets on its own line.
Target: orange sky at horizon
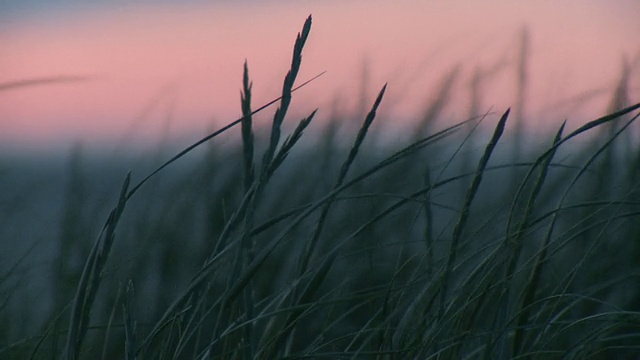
[145, 64]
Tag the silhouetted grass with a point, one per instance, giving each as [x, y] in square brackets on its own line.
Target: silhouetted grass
[358, 251]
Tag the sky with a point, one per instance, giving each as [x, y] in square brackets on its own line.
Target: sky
[139, 71]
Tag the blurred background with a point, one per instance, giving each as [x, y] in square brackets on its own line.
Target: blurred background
[132, 72]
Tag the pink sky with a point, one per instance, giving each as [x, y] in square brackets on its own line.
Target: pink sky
[184, 63]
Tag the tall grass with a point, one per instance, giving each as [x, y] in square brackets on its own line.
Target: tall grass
[328, 251]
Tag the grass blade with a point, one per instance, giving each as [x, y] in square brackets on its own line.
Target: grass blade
[91, 278]
[462, 220]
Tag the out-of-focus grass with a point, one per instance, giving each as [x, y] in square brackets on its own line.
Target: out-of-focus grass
[437, 248]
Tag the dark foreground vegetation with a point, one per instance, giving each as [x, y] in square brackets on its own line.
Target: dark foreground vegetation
[447, 247]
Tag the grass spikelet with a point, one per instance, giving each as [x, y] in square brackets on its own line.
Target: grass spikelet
[247, 132]
[471, 193]
[287, 87]
[362, 133]
[290, 142]
[517, 249]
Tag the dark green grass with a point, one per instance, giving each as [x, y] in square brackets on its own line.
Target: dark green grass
[438, 248]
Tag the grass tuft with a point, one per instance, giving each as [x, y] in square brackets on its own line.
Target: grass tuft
[362, 250]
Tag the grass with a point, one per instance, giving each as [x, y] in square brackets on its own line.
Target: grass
[419, 251]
